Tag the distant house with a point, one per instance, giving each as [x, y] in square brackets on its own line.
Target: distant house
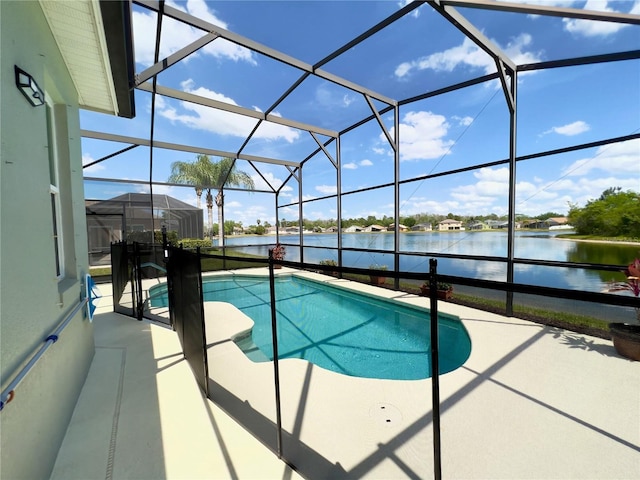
[495, 223]
[422, 227]
[332, 229]
[557, 221]
[478, 226]
[535, 223]
[374, 228]
[353, 229]
[402, 228]
[450, 224]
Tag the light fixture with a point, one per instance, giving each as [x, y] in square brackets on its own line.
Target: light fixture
[29, 88]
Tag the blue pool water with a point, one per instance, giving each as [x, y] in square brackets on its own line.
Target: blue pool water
[350, 333]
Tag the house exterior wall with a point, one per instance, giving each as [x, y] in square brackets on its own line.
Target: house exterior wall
[450, 225]
[33, 300]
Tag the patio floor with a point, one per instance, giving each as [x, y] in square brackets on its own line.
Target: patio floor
[530, 402]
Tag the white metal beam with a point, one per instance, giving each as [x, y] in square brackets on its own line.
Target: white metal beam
[227, 107]
[183, 148]
[537, 9]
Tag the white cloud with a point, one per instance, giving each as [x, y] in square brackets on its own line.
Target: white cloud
[422, 136]
[379, 150]
[590, 28]
[327, 189]
[621, 158]
[470, 55]
[570, 129]
[490, 195]
[176, 35]
[86, 159]
[218, 121]
[354, 165]
[463, 121]
[272, 180]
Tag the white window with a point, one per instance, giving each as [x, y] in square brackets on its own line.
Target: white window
[56, 211]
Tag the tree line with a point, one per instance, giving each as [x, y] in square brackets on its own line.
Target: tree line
[614, 214]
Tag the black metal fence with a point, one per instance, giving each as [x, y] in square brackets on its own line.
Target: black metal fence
[184, 282]
[121, 276]
[255, 402]
[135, 268]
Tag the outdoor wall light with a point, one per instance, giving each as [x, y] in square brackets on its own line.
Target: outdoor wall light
[29, 88]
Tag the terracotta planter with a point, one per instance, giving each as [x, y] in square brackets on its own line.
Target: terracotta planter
[442, 294]
[376, 280]
[626, 339]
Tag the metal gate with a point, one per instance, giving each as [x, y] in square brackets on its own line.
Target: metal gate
[139, 281]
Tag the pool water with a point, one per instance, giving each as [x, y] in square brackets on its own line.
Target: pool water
[340, 330]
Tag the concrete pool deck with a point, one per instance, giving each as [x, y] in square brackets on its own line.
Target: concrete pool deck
[530, 402]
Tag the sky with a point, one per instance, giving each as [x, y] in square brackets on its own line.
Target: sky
[420, 53]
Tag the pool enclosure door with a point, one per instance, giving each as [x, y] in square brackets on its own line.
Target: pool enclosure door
[135, 268]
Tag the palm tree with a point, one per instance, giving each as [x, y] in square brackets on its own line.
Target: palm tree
[192, 173]
[204, 174]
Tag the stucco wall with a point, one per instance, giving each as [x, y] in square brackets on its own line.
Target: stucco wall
[32, 301]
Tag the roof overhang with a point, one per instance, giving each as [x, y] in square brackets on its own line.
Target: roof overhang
[95, 40]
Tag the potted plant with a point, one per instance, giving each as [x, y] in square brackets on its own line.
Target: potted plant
[377, 279]
[445, 290]
[329, 263]
[277, 253]
[626, 336]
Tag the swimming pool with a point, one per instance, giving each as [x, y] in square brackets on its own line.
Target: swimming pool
[340, 330]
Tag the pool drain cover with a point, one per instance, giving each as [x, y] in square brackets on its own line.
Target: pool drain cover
[385, 413]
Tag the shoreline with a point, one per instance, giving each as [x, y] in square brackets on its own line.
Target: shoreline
[585, 240]
[609, 242]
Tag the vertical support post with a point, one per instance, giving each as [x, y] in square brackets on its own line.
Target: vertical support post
[277, 219]
[512, 192]
[165, 250]
[137, 274]
[203, 353]
[300, 216]
[339, 203]
[221, 232]
[396, 193]
[435, 367]
[276, 367]
[171, 277]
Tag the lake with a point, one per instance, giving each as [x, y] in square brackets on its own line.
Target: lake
[531, 245]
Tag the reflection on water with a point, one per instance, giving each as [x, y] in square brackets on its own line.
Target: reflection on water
[527, 245]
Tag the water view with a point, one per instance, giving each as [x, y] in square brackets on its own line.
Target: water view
[531, 245]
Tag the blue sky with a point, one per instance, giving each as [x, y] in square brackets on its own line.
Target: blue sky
[419, 53]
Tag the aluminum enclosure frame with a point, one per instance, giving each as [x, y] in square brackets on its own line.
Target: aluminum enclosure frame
[507, 73]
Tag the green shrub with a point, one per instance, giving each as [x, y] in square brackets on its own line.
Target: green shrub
[329, 263]
[194, 243]
[172, 236]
